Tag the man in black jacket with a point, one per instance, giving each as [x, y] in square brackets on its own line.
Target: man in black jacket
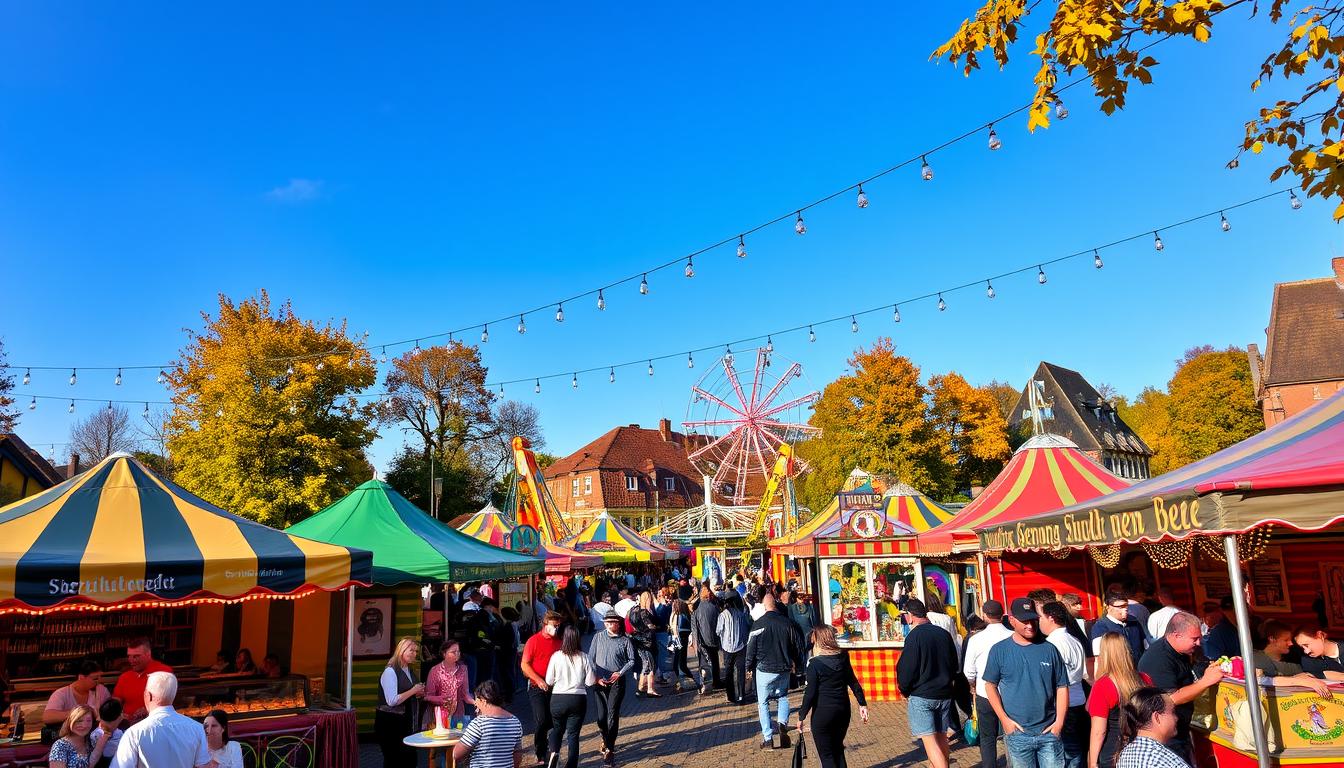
[774, 652]
[705, 640]
[924, 673]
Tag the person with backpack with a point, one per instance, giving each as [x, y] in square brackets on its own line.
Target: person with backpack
[643, 627]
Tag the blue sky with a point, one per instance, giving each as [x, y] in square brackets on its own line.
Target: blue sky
[427, 169]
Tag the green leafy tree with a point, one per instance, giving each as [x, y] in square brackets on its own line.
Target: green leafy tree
[265, 421]
[460, 489]
[9, 415]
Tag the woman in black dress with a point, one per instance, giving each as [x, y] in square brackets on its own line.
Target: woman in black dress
[829, 674]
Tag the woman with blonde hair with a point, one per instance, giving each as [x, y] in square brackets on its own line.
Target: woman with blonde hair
[76, 747]
[829, 674]
[399, 694]
[1117, 680]
[645, 626]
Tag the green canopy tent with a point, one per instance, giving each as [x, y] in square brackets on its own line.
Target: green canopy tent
[409, 546]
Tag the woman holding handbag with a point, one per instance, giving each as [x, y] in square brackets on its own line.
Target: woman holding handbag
[830, 678]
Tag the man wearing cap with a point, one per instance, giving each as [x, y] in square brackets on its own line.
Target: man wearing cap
[1027, 684]
[1054, 624]
[613, 658]
[973, 666]
[924, 675]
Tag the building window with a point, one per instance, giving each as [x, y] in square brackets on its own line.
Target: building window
[574, 487]
[631, 483]
[669, 483]
[588, 485]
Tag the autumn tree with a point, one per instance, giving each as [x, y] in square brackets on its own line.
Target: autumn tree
[9, 415]
[1107, 42]
[102, 433]
[1005, 395]
[438, 394]
[265, 420]
[971, 422]
[877, 417]
[1150, 419]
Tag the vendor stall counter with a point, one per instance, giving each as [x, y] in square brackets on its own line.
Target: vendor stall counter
[1304, 728]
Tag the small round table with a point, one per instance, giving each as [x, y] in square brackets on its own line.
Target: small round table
[421, 740]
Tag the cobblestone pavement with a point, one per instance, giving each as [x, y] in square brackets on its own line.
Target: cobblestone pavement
[705, 731]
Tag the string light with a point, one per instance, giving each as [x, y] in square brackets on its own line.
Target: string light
[537, 387]
[73, 377]
[109, 406]
[862, 199]
[1171, 555]
[895, 313]
[145, 412]
[1059, 554]
[1107, 556]
[601, 301]
[650, 367]
[942, 305]
[522, 325]
[27, 376]
[350, 363]
[1061, 111]
[853, 324]
[728, 355]
[925, 172]
[290, 370]
[559, 313]
[382, 358]
[994, 142]
[1250, 545]
[485, 334]
[741, 246]
[690, 267]
[690, 361]
[219, 413]
[1040, 274]
[32, 406]
[1227, 227]
[989, 289]
[811, 334]
[770, 344]
[71, 409]
[611, 375]
[1096, 259]
[321, 365]
[644, 286]
[799, 226]
[1157, 242]
[117, 380]
[1293, 201]
[574, 382]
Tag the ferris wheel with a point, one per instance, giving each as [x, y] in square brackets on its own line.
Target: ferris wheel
[738, 421]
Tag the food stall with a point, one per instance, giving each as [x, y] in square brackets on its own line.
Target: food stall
[1285, 486]
[410, 549]
[118, 553]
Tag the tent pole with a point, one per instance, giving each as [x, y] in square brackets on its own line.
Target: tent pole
[986, 586]
[1243, 612]
[350, 647]
[1003, 584]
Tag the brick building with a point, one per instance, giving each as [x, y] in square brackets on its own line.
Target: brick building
[639, 476]
[23, 471]
[1303, 361]
[1078, 412]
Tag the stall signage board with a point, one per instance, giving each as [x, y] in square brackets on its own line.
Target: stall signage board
[525, 539]
[1174, 517]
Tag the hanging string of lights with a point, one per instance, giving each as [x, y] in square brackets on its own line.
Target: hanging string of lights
[768, 338]
[598, 293]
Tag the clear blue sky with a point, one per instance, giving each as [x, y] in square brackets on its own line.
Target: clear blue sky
[422, 170]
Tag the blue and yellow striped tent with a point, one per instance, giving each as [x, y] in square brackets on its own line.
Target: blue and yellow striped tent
[120, 534]
[615, 542]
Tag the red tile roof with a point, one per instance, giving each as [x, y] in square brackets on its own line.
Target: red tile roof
[645, 453]
[1305, 341]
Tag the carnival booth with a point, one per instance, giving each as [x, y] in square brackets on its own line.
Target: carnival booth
[616, 542]
[490, 526]
[118, 554]
[1045, 473]
[1261, 517]
[410, 549]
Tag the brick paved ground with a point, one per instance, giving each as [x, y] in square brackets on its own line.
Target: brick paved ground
[691, 730]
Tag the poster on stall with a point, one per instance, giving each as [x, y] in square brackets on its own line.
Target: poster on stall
[1269, 582]
[1210, 579]
[1332, 589]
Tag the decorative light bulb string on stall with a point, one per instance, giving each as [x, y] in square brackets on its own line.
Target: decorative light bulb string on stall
[852, 317]
[794, 214]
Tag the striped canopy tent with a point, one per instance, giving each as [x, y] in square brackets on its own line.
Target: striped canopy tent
[1291, 475]
[905, 510]
[490, 525]
[1047, 472]
[409, 546]
[615, 542]
[910, 509]
[119, 535]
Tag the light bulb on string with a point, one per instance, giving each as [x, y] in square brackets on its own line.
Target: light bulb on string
[994, 143]
[537, 387]
[1293, 200]
[574, 382]
[293, 409]
[219, 413]
[989, 289]
[321, 364]
[650, 367]
[644, 285]
[27, 376]
[145, 412]
[690, 361]
[925, 172]
[741, 246]
[1157, 242]
[811, 334]
[109, 406]
[117, 380]
[290, 370]
[601, 301]
[728, 355]
[942, 305]
[799, 226]
[1223, 222]
[560, 313]
[1061, 111]
[895, 313]
[485, 334]
[770, 344]
[862, 199]
[417, 343]
[350, 362]
[32, 406]
[853, 324]
[71, 409]
[161, 378]
[1040, 274]
[501, 389]
[382, 358]
[522, 325]
[690, 267]
[73, 377]
[1096, 259]
[611, 376]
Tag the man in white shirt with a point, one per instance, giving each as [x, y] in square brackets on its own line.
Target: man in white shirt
[624, 605]
[599, 611]
[977, 654]
[164, 739]
[1054, 625]
[1157, 622]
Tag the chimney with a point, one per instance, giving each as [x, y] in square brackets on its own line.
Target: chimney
[1338, 264]
[72, 468]
[665, 429]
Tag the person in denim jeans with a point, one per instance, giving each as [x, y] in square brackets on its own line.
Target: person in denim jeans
[774, 651]
[1028, 687]
[924, 674]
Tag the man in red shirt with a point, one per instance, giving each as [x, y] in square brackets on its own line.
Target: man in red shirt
[130, 688]
[536, 657]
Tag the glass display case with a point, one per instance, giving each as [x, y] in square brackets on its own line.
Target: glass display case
[242, 697]
[863, 597]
